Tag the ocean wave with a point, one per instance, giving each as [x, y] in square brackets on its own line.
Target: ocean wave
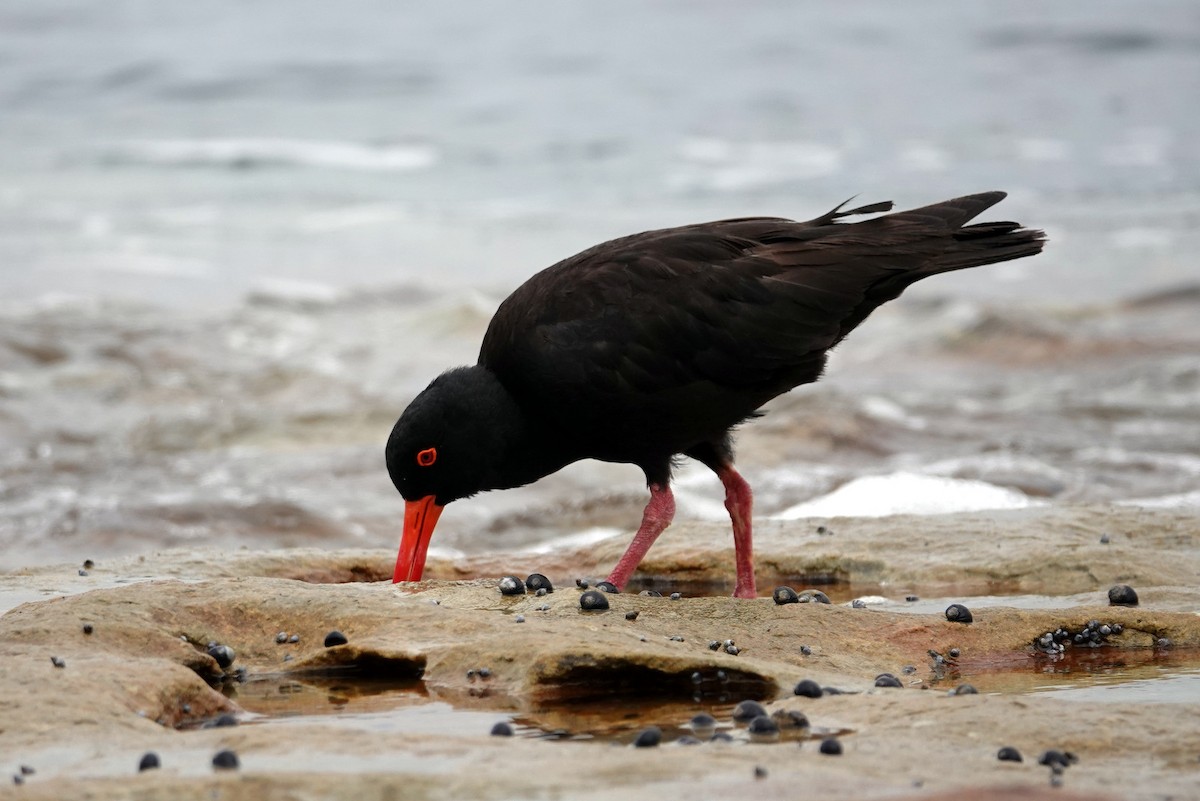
[256, 153]
[1023, 473]
[724, 166]
[128, 426]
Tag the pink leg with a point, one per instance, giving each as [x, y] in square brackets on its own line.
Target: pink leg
[658, 515]
[738, 500]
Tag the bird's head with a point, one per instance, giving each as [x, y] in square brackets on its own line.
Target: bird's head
[450, 443]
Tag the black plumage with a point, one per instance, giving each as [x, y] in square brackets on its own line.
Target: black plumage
[657, 344]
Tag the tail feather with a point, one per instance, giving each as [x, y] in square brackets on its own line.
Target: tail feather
[951, 215]
[954, 213]
[836, 212]
[973, 245]
[968, 246]
[987, 243]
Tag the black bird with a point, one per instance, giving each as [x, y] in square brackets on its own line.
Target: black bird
[658, 344]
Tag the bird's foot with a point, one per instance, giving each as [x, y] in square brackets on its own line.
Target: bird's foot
[745, 590]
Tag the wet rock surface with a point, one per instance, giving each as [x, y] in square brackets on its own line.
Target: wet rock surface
[145, 679]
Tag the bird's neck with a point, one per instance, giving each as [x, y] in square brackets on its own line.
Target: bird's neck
[523, 449]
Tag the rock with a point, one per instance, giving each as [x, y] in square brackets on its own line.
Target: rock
[763, 729]
[511, 585]
[593, 601]
[957, 613]
[136, 662]
[748, 710]
[1009, 754]
[536, 582]
[831, 747]
[1122, 595]
[785, 595]
[648, 738]
[223, 654]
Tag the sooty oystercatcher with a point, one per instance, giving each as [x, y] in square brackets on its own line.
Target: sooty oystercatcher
[658, 344]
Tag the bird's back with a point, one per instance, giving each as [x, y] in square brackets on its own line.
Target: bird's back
[671, 336]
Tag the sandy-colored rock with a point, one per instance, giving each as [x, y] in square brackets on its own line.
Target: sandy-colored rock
[142, 677]
[1047, 550]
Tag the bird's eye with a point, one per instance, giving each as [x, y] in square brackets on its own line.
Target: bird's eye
[427, 457]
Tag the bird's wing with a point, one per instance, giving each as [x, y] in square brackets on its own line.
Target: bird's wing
[747, 305]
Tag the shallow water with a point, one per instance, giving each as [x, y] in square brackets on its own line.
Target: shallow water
[1102, 675]
[1105, 675]
[1158, 687]
[394, 706]
[274, 697]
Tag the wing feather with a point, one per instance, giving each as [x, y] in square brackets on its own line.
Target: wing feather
[721, 316]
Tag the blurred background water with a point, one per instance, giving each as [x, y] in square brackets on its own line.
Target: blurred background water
[236, 237]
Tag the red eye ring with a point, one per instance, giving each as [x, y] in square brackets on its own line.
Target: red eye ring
[427, 457]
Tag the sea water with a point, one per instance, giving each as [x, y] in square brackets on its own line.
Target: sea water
[236, 238]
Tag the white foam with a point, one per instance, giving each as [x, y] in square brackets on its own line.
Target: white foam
[445, 552]
[279, 152]
[716, 164]
[907, 493]
[580, 539]
[701, 505]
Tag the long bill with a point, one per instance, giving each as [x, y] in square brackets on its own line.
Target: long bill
[419, 519]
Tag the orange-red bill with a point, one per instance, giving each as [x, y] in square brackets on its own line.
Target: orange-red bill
[419, 519]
